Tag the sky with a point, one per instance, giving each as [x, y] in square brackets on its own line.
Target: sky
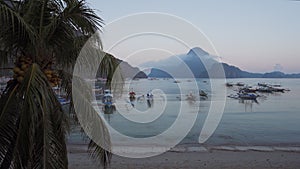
[255, 35]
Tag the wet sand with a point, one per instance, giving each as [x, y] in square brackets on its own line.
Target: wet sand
[193, 157]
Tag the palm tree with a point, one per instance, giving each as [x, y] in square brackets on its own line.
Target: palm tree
[44, 38]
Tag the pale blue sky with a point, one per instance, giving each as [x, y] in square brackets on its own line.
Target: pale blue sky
[254, 35]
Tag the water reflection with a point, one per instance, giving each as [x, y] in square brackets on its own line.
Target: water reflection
[150, 103]
[248, 104]
[132, 101]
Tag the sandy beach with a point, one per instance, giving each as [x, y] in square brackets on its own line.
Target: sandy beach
[195, 157]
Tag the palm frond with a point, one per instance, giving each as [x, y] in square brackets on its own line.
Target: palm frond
[32, 123]
[81, 16]
[99, 146]
[97, 152]
[40, 125]
[15, 32]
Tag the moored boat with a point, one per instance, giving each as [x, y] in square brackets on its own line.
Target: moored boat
[107, 99]
[247, 96]
[240, 84]
[202, 93]
[132, 95]
[228, 84]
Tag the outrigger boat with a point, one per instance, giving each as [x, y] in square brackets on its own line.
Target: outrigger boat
[228, 84]
[247, 96]
[132, 95]
[202, 93]
[107, 100]
[240, 84]
[244, 96]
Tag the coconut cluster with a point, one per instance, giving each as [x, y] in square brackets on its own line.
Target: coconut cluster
[22, 65]
[52, 76]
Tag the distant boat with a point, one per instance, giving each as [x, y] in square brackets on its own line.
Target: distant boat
[277, 89]
[265, 90]
[233, 96]
[276, 85]
[240, 84]
[107, 99]
[176, 81]
[149, 99]
[247, 96]
[132, 95]
[228, 84]
[149, 96]
[263, 84]
[248, 89]
[202, 93]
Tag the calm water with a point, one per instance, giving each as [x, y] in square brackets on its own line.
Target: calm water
[274, 120]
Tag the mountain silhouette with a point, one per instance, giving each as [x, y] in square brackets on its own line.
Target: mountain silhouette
[200, 64]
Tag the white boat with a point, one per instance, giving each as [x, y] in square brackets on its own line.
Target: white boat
[149, 96]
[107, 99]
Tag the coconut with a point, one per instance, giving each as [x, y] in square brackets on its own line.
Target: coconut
[24, 67]
[49, 76]
[20, 79]
[48, 72]
[16, 69]
[21, 73]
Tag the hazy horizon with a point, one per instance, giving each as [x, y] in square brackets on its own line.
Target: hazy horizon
[256, 36]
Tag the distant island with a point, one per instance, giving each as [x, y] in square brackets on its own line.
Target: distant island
[172, 66]
[127, 71]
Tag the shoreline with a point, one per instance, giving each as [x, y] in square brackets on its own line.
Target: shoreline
[196, 157]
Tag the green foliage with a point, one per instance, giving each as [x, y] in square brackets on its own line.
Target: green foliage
[32, 123]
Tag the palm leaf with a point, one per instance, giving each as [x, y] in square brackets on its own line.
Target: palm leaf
[40, 125]
[32, 124]
[92, 123]
[15, 32]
